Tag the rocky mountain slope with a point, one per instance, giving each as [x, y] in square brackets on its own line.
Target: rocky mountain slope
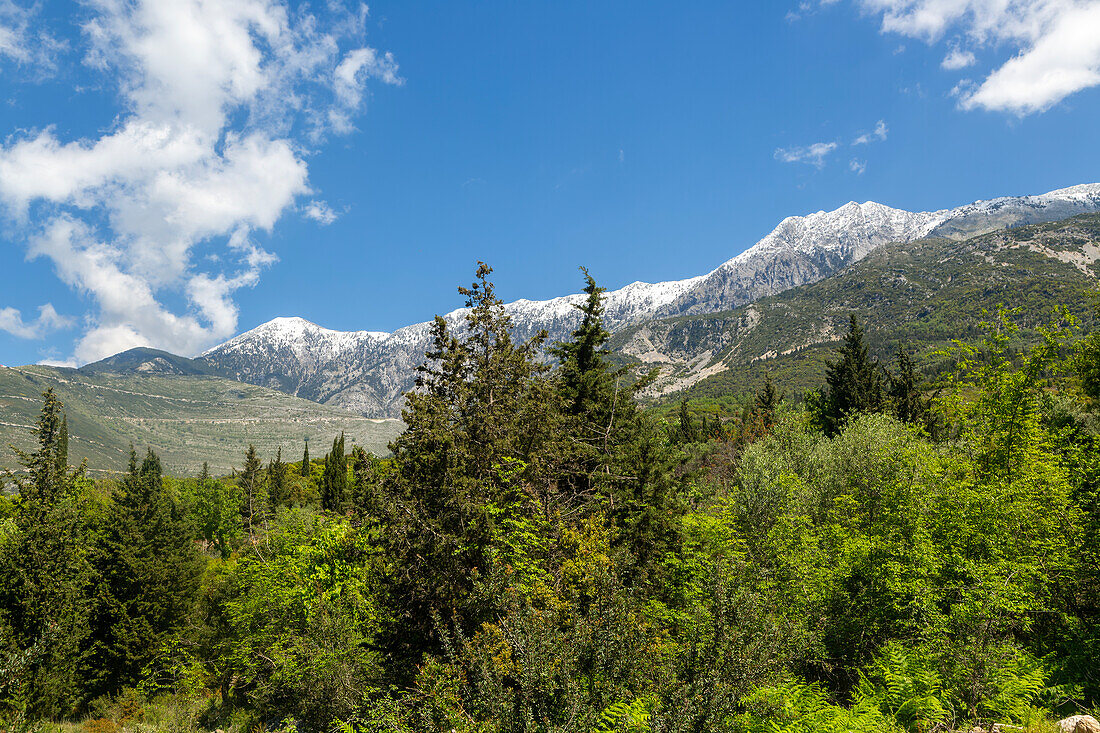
[368, 372]
[927, 293]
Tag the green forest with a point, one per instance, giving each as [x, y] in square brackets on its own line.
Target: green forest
[895, 551]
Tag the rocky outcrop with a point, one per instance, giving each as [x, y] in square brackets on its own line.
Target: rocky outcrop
[1079, 724]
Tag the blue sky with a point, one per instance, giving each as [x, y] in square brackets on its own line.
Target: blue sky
[173, 173]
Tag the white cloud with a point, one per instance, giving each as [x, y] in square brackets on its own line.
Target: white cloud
[878, 134]
[11, 321]
[957, 59]
[857, 166]
[320, 212]
[1057, 44]
[350, 78]
[812, 154]
[218, 98]
[35, 51]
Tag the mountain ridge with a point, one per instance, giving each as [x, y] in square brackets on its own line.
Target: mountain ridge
[368, 371]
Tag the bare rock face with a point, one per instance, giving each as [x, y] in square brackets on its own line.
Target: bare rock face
[1079, 724]
[369, 372]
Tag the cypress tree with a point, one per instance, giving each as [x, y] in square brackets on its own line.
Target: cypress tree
[305, 461]
[63, 445]
[687, 432]
[334, 481]
[363, 470]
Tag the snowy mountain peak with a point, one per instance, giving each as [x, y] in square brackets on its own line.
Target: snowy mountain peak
[291, 331]
[369, 371]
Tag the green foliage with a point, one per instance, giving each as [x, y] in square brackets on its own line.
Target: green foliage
[797, 707]
[299, 614]
[540, 554]
[214, 507]
[632, 717]
[905, 686]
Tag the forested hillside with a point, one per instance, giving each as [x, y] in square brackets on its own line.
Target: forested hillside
[898, 552]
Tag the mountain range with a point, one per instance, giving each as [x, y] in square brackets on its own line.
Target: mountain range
[780, 306]
[367, 372]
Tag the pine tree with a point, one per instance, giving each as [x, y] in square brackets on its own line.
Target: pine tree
[204, 475]
[853, 383]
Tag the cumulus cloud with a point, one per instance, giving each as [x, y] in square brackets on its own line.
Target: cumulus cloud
[878, 134]
[11, 321]
[217, 100]
[1057, 45]
[812, 154]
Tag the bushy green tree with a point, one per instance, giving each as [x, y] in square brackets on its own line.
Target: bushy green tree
[300, 618]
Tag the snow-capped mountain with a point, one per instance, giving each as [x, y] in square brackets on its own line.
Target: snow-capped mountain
[368, 372]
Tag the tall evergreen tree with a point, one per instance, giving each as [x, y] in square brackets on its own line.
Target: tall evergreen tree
[63, 445]
[150, 574]
[906, 400]
[305, 461]
[853, 382]
[46, 575]
[767, 401]
[610, 449]
[686, 429]
[364, 477]
[253, 494]
[476, 436]
[334, 481]
[278, 490]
